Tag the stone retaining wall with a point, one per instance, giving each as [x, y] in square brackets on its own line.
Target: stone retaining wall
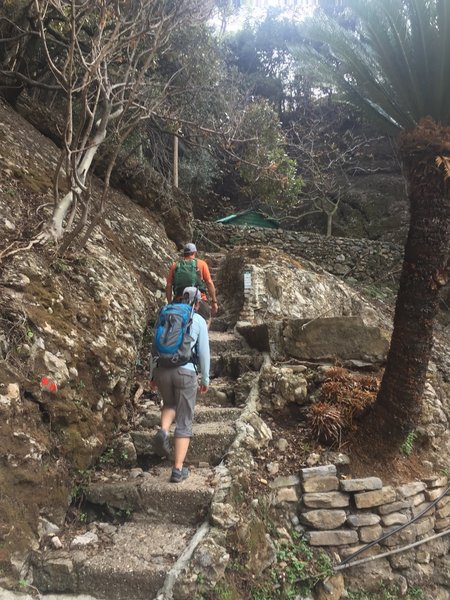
[353, 259]
[346, 514]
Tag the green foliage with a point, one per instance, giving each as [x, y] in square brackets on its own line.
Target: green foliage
[60, 265]
[446, 472]
[415, 592]
[12, 10]
[408, 445]
[387, 593]
[268, 173]
[112, 457]
[223, 591]
[198, 170]
[296, 567]
[81, 481]
[377, 292]
[120, 514]
[107, 456]
[262, 53]
[261, 593]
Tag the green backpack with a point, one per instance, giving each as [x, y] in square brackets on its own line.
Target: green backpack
[186, 275]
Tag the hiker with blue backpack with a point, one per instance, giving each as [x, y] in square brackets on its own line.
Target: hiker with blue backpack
[190, 271]
[180, 351]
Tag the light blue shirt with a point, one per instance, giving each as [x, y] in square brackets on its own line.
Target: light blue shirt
[199, 333]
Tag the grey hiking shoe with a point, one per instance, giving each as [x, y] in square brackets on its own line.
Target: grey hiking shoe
[161, 445]
[179, 475]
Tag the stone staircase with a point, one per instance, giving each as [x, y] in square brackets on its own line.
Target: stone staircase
[137, 524]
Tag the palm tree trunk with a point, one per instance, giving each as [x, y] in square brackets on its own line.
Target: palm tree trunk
[424, 272]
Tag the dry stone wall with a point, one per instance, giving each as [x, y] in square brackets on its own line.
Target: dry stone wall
[348, 516]
[352, 259]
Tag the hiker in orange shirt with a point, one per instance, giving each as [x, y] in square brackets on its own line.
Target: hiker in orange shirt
[191, 271]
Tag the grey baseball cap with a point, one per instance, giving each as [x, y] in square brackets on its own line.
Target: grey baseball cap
[189, 248]
[192, 295]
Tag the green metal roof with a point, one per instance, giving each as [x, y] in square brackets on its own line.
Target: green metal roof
[250, 217]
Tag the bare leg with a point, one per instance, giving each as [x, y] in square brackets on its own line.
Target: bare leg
[181, 448]
[167, 418]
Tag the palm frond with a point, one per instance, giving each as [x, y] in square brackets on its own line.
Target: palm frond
[394, 66]
[444, 161]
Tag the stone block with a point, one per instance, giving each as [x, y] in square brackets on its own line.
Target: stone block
[286, 495]
[411, 489]
[394, 519]
[328, 483]
[417, 500]
[424, 526]
[375, 498]
[345, 552]
[326, 500]
[332, 538]
[443, 511]
[323, 519]
[361, 485]
[434, 493]
[420, 508]
[402, 560]
[334, 337]
[284, 481]
[399, 538]
[441, 524]
[422, 556]
[436, 481]
[313, 472]
[363, 519]
[394, 507]
[370, 533]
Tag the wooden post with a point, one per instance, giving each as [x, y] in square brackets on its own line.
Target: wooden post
[175, 160]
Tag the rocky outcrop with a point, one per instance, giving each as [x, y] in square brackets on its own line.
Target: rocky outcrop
[261, 284]
[170, 206]
[70, 334]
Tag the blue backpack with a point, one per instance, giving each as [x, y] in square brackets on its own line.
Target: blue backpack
[172, 340]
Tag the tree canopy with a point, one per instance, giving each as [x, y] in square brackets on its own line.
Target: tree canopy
[393, 66]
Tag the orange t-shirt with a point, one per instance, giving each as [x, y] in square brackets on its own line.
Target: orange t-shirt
[202, 268]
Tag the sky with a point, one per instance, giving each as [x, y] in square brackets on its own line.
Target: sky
[256, 10]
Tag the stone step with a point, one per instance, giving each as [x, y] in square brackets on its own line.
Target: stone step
[219, 323]
[203, 414]
[220, 393]
[132, 565]
[154, 496]
[233, 365]
[210, 414]
[226, 341]
[209, 443]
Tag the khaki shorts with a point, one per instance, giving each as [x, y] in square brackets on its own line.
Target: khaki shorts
[178, 388]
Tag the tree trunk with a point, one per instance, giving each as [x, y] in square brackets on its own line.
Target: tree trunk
[423, 274]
